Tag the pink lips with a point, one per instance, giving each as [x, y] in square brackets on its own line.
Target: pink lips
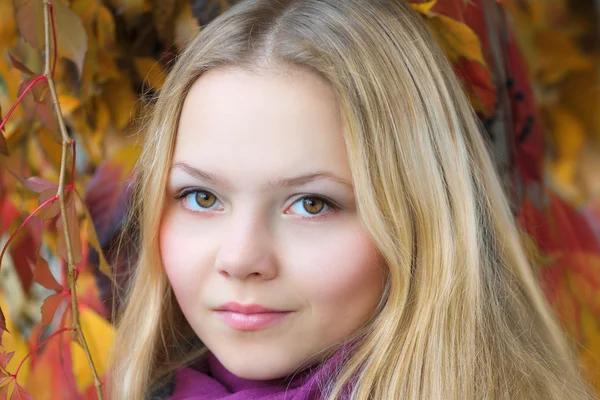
[249, 317]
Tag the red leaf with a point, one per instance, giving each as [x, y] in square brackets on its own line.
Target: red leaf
[44, 277]
[38, 184]
[107, 192]
[49, 307]
[24, 250]
[74, 233]
[5, 359]
[51, 210]
[20, 393]
[20, 66]
[30, 21]
[5, 379]
[4, 392]
[38, 101]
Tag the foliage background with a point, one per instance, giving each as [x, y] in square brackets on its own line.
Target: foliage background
[531, 68]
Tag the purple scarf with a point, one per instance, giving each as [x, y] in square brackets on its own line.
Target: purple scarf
[209, 379]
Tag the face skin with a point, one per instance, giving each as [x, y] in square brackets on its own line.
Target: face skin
[244, 236]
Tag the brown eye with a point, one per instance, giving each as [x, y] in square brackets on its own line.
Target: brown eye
[205, 199]
[313, 205]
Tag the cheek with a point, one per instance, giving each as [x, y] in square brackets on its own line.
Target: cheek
[344, 273]
[181, 256]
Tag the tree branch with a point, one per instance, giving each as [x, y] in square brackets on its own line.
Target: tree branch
[66, 143]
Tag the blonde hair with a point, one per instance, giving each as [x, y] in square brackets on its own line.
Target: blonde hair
[462, 316]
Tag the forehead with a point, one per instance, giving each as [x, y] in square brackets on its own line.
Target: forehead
[261, 126]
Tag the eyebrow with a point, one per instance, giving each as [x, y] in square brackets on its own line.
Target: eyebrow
[285, 183]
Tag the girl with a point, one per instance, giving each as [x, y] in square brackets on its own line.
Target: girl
[319, 218]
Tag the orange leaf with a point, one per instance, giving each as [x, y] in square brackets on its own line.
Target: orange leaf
[44, 277]
[151, 71]
[456, 39]
[49, 307]
[423, 8]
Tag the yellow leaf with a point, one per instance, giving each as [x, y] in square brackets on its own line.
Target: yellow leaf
[567, 131]
[130, 8]
[85, 9]
[456, 39]
[423, 8]
[581, 95]
[99, 337]
[186, 26]
[8, 28]
[105, 29]
[151, 71]
[13, 341]
[95, 243]
[120, 100]
[70, 34]
[68, 104]
[557, 56]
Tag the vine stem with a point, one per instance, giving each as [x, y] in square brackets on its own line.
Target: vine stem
[66, 143]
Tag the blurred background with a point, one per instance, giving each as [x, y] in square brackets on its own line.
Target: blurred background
[530, 67]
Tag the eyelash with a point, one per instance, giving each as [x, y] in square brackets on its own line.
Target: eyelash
[331, 206]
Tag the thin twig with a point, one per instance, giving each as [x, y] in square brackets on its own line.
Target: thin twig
[66, 143]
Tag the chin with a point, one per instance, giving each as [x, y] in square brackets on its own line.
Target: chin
[262, 370]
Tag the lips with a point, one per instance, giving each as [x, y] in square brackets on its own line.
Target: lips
[249, 317]
[246, 309]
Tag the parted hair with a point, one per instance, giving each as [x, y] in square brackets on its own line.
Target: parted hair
[462, 315]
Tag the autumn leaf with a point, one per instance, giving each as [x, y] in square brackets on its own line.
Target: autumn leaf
[107, 191]
[20, 66]
[19, 393]
[38, 102]
[5, 359]
[2, 325]
[52, 375]
[456, 38]
[163, 12]
[99, 336]
[70, 34]
[105, 29]
[423, 8]
[30, 21]
[51, 304]
[44, 277]
[150, 71]
[51, 210]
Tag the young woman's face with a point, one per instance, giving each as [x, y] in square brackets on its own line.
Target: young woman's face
[261, 211]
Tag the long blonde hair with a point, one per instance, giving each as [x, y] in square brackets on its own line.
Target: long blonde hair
[462, 316]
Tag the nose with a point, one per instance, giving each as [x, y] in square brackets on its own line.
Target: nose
[246, 249]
